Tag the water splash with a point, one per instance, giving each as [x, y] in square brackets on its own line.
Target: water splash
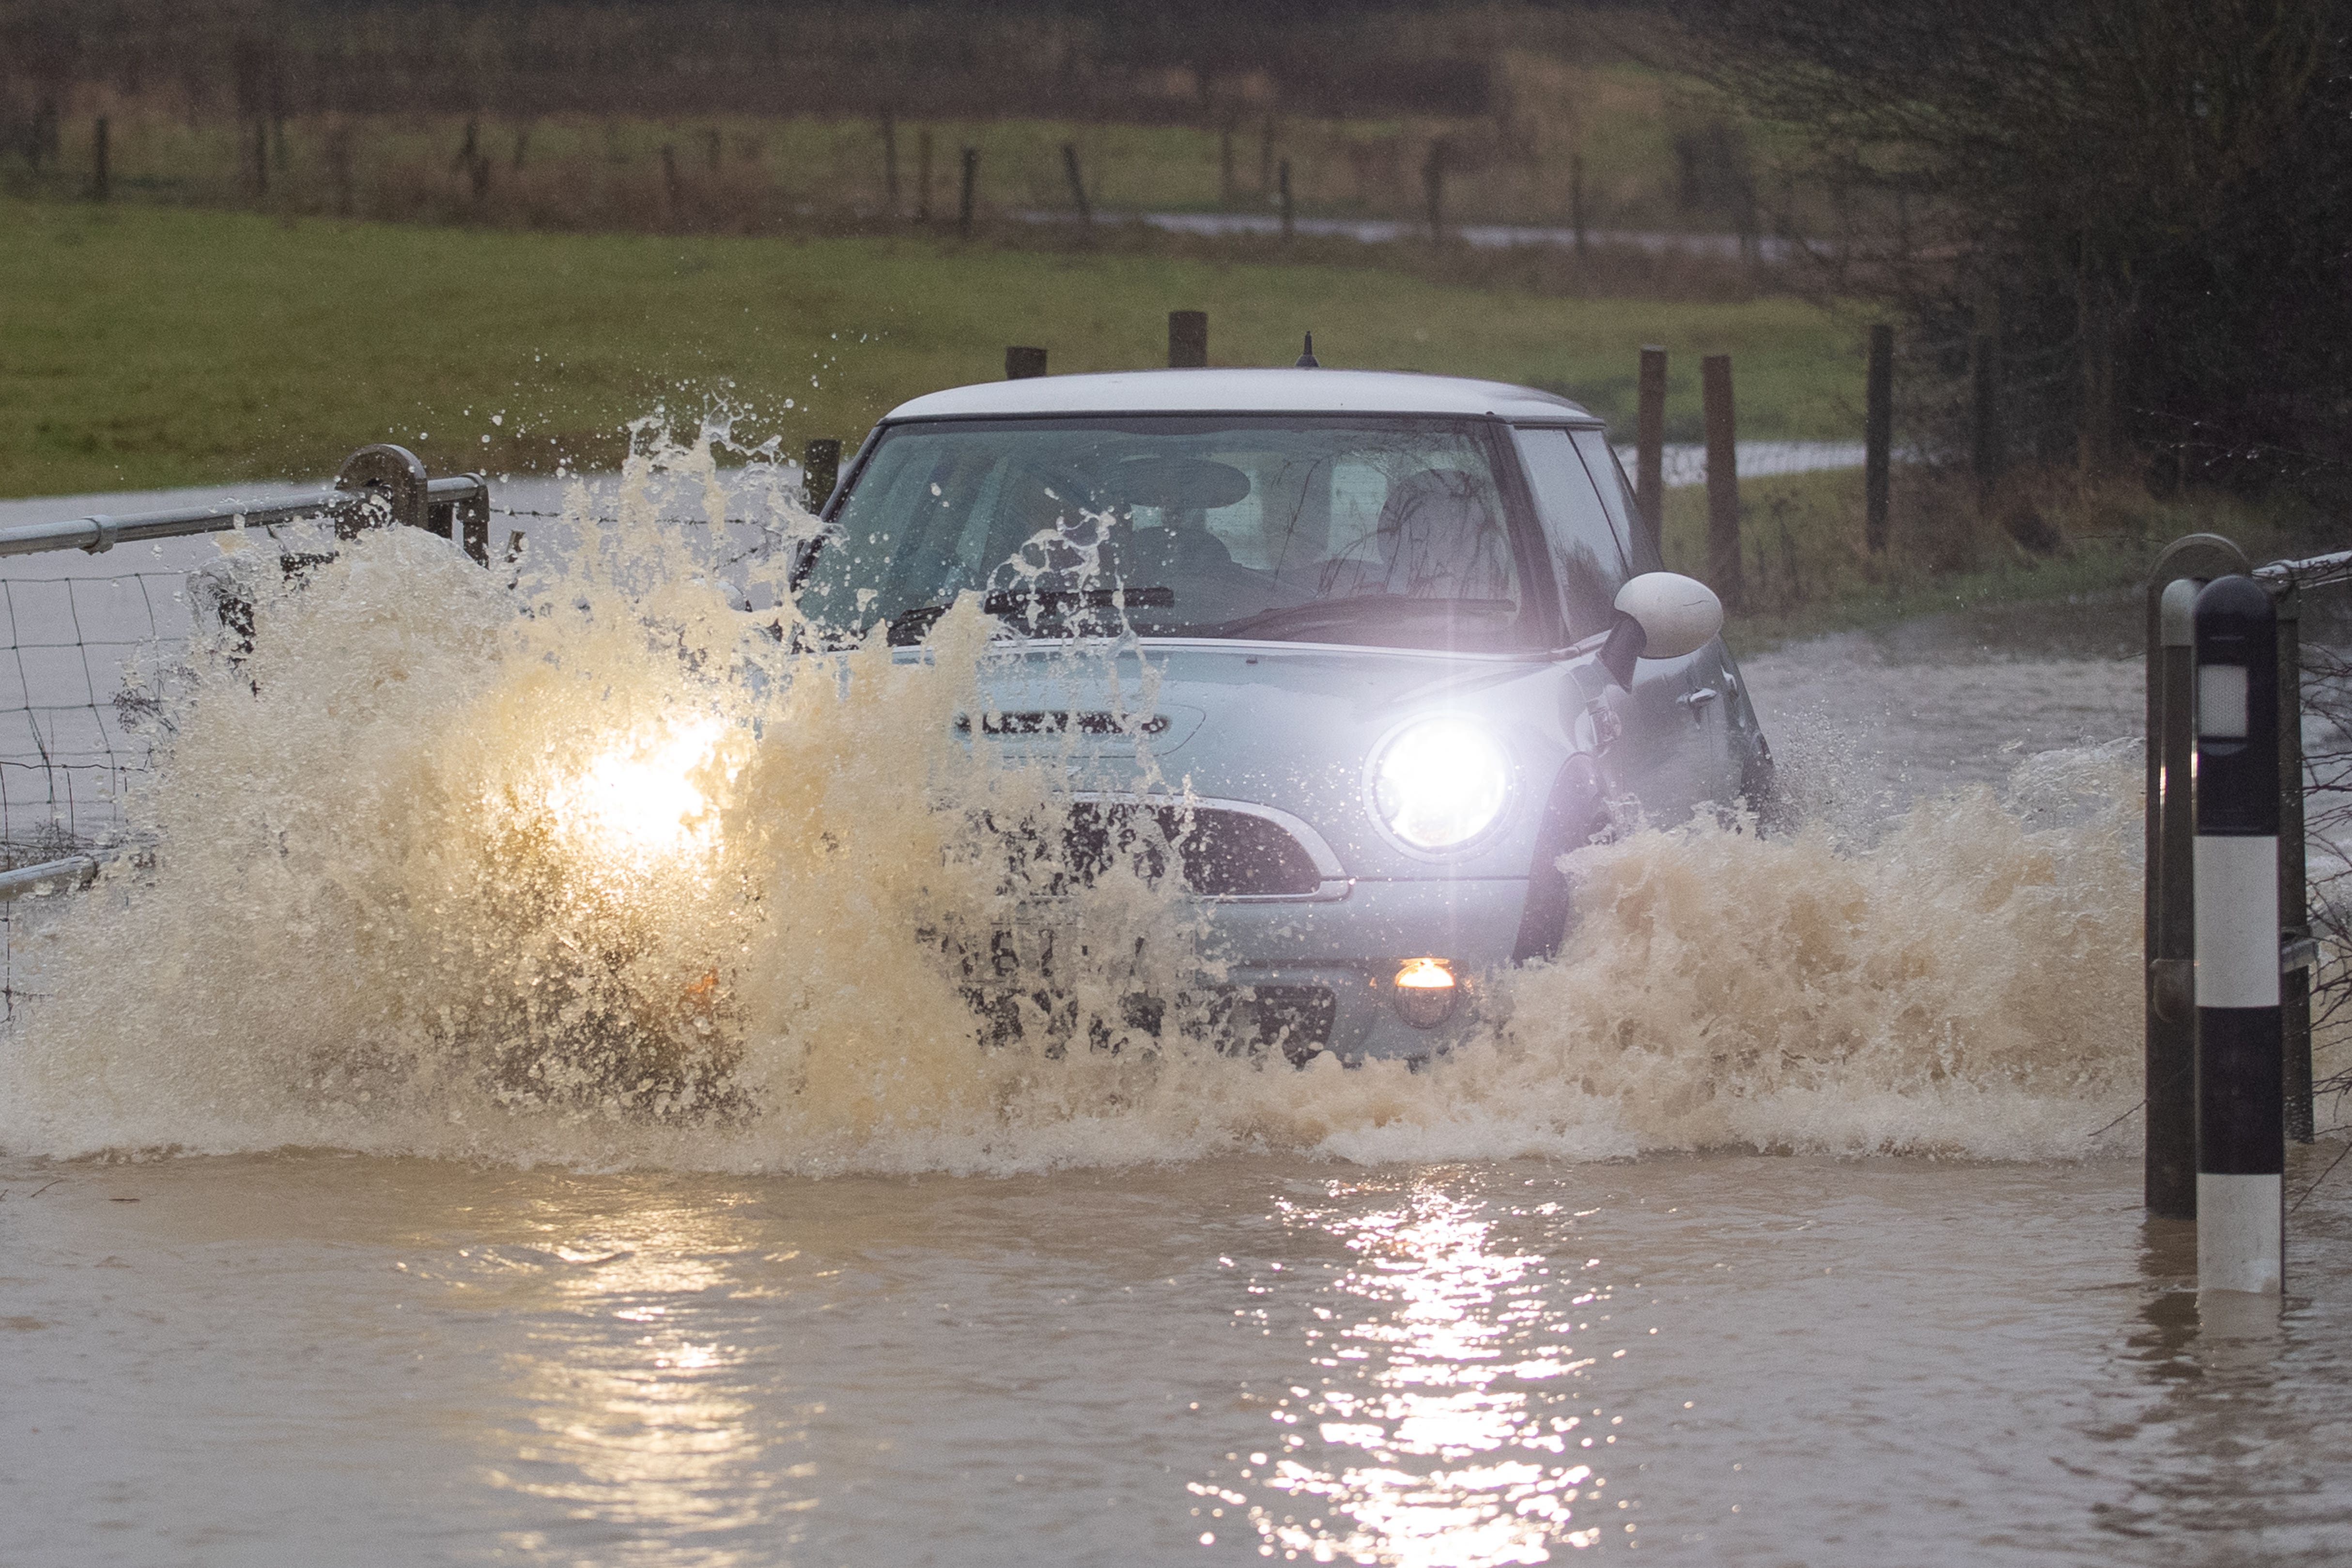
[585, 867]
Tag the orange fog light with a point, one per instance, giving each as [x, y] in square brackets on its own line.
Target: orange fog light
[1425, 992]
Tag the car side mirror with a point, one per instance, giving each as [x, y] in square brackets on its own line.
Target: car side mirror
[1660, 614]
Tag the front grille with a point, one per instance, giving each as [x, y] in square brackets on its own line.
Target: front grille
[1237, 1021]
[1224, 854]
[1294, 1019]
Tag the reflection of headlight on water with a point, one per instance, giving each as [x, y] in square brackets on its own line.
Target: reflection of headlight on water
[1441, 782]
[640, 799]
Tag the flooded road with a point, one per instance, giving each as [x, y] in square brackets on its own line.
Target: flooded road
[1603, 1286]
[315, 1358]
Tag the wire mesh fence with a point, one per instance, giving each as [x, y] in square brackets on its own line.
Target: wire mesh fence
[73, 727]
[84, 635]
[76, 724]
[2328, 836]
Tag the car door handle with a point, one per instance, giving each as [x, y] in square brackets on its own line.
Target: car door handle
[1698, 700]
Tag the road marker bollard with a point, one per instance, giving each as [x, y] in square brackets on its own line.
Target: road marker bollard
[2240, 1129]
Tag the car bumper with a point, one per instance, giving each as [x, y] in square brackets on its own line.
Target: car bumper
[1353, 946]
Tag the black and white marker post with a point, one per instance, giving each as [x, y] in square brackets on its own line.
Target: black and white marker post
[2241, 1118]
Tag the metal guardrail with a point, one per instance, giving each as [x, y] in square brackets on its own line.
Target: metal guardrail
[50, 877]
[377, 485]
[2317, 572]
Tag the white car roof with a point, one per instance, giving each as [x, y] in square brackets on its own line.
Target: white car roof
[1219, 391]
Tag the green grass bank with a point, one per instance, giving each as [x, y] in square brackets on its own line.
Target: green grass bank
[2044, 536]
[149, 346]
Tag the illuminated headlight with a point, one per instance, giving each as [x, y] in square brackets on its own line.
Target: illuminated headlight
[1440, 783]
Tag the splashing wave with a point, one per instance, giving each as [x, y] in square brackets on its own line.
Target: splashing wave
[585, 868]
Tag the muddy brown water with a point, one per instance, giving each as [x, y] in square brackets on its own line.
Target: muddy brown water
[1318, 1317]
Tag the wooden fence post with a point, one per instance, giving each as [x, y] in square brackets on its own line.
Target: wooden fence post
[339, 168]
[820, 471]
[971, 191]
[1188, 340]
[1576, 199]
[1986, 456]
[1649, 448]
[889, 166]
[1878, 437]
[1724, 569]
[1021, 364]
[1077, 183]
[923, 175]
[37, 140]
[99, 179]
[1226, 195]
[1432, 189]
[1289, 215]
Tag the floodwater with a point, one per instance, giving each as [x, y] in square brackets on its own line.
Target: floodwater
[310, 1358]
[1792, 1219]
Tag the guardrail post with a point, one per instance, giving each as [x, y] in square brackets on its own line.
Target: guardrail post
[2241, 1143]
[470, 519]
[1289, 212]
[820, 471]
[395, 473]
[970, 197]
[2169, 1175]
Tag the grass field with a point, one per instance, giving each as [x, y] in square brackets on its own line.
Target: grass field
[150, 345]
[2045, 536]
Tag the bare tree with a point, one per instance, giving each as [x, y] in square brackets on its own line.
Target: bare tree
[2162, 188]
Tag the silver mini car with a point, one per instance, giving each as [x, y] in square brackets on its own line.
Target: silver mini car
[1409, 645]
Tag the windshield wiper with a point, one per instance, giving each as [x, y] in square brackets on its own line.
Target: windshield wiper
[911, 625]
[1293, 620]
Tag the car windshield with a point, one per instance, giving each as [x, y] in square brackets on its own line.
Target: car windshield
[1389, 531]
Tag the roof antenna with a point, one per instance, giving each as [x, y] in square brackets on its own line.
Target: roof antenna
[1308, 361]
